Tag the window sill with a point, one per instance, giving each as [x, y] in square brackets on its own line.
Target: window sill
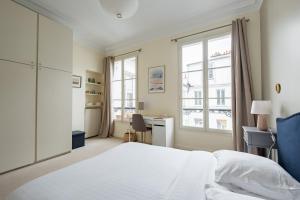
[203, 130]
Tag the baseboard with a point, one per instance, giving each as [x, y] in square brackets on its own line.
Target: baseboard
[35, 162]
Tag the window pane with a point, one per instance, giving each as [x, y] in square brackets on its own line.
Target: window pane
[116, 90]
[220, 119]
[116, 109]
[192, 118]
[130, 68]
[219, 48]
[117, 71]
[130, 89]
[192, 85]
[129, 108]
[221, 76]
[192, 82]
[192, 57]
[219, 83]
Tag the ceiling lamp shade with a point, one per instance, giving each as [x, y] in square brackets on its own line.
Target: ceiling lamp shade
[120, 9]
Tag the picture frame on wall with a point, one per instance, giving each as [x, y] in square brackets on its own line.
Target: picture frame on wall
[156, 79]
[76, 81]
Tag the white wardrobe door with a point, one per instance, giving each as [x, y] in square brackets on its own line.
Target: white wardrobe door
[18, 31]
[55, 45]
[17, 115]
[54, 113]
[91, 122]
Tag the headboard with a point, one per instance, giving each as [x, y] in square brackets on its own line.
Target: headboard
[288, 140]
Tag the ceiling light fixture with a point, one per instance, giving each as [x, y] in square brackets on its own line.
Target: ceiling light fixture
[120, 9]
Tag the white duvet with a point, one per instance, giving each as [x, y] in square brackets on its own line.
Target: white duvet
[131, 171]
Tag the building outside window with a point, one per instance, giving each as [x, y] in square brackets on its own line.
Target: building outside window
[206, 84]
[198, 96]
[123, 88]
[210, 74]
[220, 97]
[198, 122]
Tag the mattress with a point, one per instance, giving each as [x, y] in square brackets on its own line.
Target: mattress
[129, 171]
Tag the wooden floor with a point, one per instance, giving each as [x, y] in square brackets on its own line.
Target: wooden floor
[94, 146]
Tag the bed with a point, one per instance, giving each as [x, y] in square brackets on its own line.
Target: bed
[134, 171]
[129, 171]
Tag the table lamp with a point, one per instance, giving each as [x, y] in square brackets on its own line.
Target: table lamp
[262, 109]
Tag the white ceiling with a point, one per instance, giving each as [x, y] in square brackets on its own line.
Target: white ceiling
[154, 18]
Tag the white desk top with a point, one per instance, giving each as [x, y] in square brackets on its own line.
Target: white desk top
[155, 117]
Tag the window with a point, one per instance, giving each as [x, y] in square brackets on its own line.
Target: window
[124, 88]
[192, 83]
[206, 84]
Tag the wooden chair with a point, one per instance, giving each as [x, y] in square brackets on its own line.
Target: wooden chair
[138, 125]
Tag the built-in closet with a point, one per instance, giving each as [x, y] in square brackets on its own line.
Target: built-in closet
[35, 87]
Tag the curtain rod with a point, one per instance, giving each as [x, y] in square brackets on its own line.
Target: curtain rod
[138, 50]
[179, 38]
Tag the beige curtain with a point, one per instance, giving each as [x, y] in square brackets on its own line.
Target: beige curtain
[106, 126]
[242, 91]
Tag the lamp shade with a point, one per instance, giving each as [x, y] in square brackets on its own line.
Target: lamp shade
[120, 9]
[140, 105]
[261, 107]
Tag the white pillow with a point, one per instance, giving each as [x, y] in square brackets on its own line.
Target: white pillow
[255, 174]
[214, 193]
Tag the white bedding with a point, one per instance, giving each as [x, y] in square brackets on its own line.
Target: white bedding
[129, 171]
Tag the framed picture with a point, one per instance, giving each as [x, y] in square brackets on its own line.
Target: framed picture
[156, 79]
[76, 81]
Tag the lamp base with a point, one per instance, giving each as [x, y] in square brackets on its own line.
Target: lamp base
[262, 123]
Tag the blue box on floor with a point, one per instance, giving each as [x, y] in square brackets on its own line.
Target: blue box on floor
[78, 139]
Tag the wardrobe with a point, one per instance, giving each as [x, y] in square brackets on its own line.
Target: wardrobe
[35, 87]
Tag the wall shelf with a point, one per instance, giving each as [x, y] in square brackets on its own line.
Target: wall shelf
[93, 101]
[92, 107]
[94, 84]
[93, 94]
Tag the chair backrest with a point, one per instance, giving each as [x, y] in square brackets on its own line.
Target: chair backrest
[288, 141]
[138, 123]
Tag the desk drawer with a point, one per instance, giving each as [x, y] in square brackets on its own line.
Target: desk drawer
[159, 122]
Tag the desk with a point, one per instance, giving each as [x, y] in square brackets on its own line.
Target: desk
[162, 130]
[255, 138]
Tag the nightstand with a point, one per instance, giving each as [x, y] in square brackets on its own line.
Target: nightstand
[255, 138]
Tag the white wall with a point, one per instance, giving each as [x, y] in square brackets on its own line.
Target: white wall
[164, 52]
[84, 58]
[280, 32]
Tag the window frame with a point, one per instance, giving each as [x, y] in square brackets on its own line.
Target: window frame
[123, 79]
[204, 39]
